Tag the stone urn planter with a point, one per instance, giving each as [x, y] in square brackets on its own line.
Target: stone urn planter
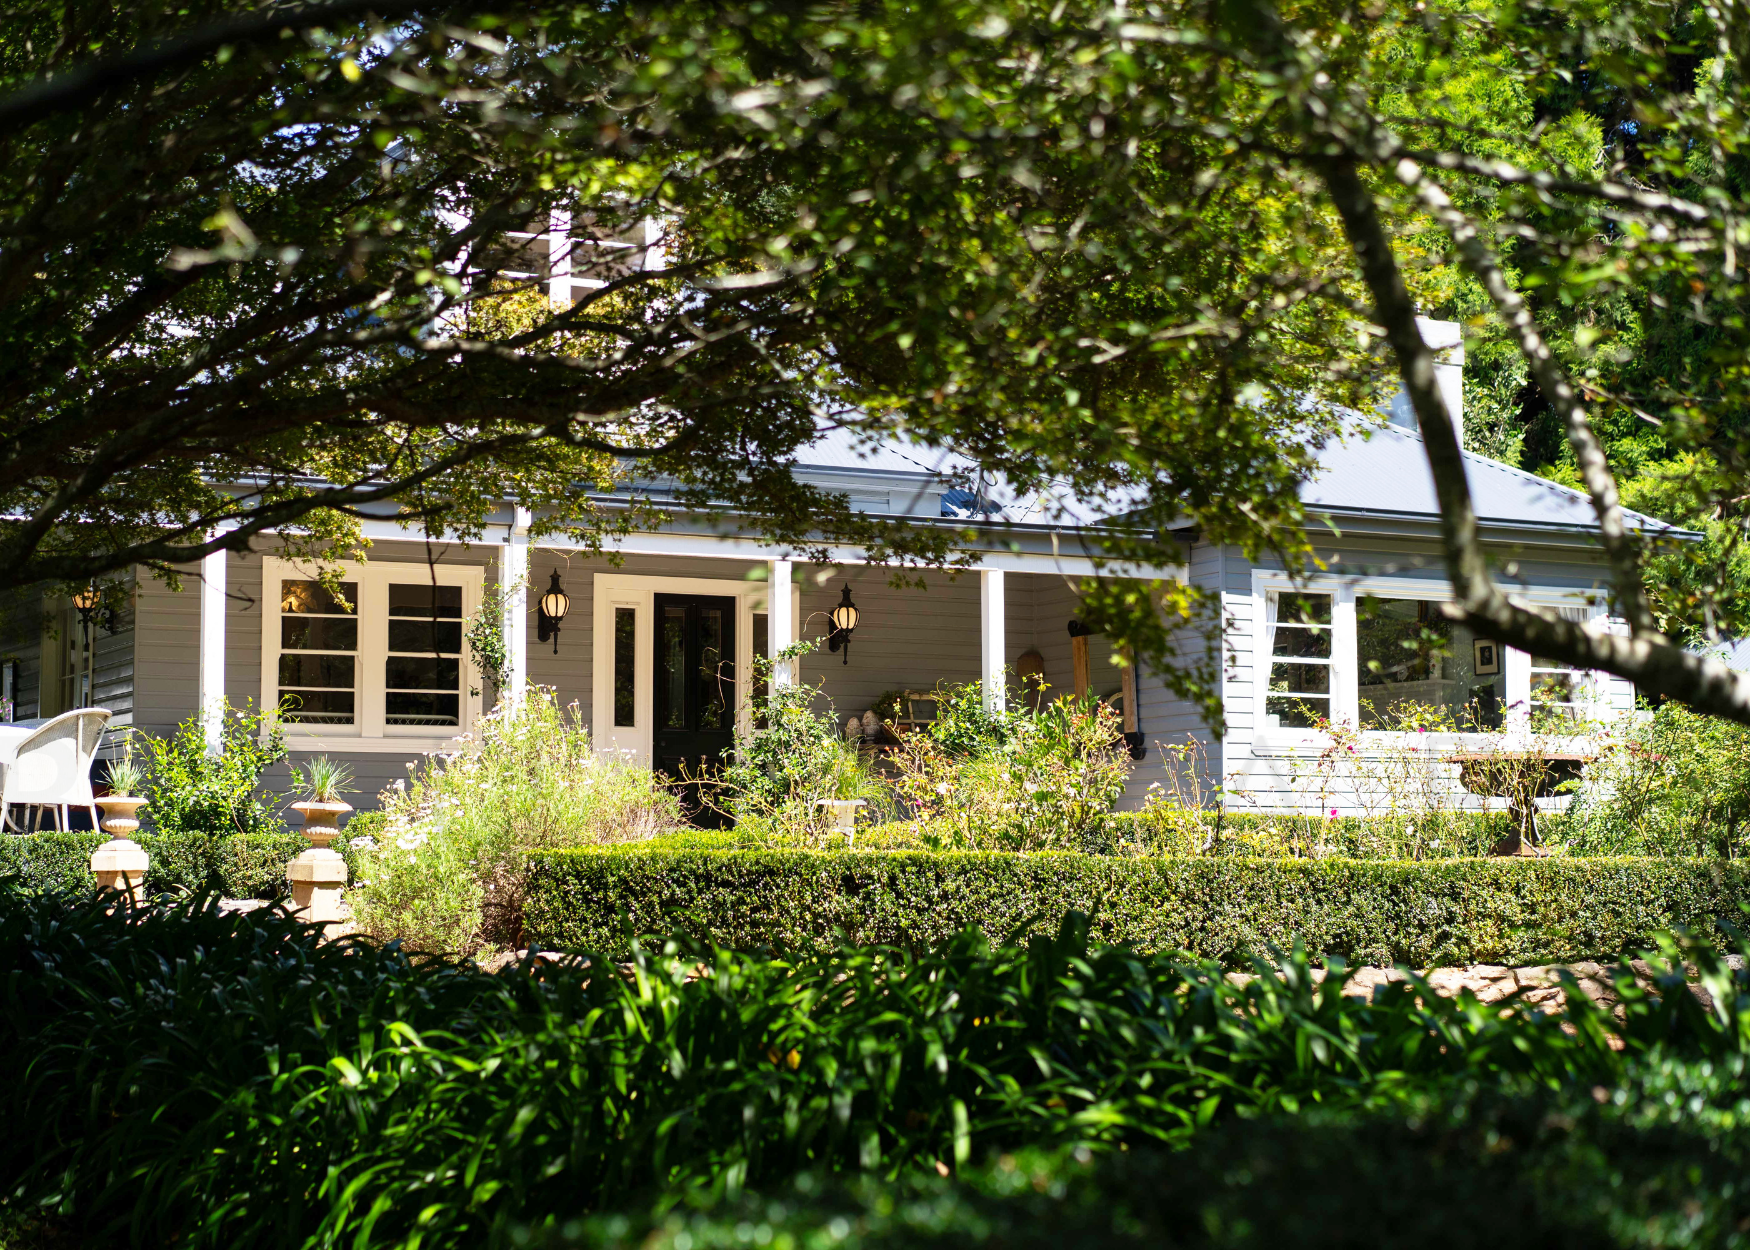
[321, 820]
[120, 814]
[844, 815]
[318, 875]
[120, 864]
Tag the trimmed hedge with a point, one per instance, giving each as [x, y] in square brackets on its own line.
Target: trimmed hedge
[247, 865]
[1422, 913]
[1170, 831]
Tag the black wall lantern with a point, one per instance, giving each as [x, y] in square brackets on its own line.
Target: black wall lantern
[550, 609]
[844, 621]
[92, 608]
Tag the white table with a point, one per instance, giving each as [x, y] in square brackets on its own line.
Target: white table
[13, 734]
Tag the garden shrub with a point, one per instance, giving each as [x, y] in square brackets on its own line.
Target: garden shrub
[972, 779]
[186, 1078]
[193, 790]
[793, 756]
[1015, 780]
[243, 865]
[1675, 783]
[1164, 828]
[443, 871]
[1499, 911]
[1179, 833]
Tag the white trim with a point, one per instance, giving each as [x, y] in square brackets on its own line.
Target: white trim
[992, 639]
[513, 579]
[639, 591]
[781, 625]
[368, 733]
[559, 257]
[733, 547]
[211, 667]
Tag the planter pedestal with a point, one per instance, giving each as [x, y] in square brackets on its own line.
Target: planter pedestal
[318, 875]
[120, 864]
[318, 879]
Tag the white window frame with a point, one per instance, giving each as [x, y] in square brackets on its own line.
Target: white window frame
[1345, 682]
[369, 732]
[626, 590]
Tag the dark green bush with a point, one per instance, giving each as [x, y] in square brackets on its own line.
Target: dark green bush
[246, 866]
[1161, 829]
[1505, 911]
[1174, 832]
[181, 1077]
[1560, 1168]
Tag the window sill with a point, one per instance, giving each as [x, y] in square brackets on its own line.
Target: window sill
[302, 742]
[1300, 743]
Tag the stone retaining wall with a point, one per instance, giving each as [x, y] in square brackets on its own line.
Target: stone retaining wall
[1539, 986]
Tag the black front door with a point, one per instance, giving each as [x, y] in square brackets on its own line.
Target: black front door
[695, 690]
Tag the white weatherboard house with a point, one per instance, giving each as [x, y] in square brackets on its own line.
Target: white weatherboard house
[657, 649]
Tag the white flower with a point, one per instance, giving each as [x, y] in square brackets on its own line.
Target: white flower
[364, 842]
[412, 841]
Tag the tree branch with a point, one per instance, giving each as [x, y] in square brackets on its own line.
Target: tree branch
[83, 84]
[1652, 663]
[1612, 192]
[1552, 380]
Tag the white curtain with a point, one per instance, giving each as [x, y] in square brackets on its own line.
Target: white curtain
[1589, 687]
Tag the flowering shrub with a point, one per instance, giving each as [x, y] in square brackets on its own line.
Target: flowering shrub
[443, 869]
[1677, 783]
[793, 757]
[1016, 780]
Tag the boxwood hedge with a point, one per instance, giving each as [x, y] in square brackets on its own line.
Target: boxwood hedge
[1423, 913]
[245, 865]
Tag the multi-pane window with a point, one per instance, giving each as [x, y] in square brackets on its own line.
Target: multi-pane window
[1558, 695]
[1393, 662]
[1299, 642]
[381, 657]
[672, 665]
[1416, 668]
[716, 673]
[318, 662]
[422, 676]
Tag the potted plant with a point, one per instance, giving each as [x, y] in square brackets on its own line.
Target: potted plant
[120, 864]
[322, 781]
[122, 804]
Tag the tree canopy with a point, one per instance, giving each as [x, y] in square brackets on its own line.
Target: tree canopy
[1150, 252]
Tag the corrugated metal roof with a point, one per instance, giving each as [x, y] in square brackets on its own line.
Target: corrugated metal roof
[1735, 654]
[839, 448]
[1384, 468]
[1371, 468]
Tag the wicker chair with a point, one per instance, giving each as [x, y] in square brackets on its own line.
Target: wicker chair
[52, 767]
